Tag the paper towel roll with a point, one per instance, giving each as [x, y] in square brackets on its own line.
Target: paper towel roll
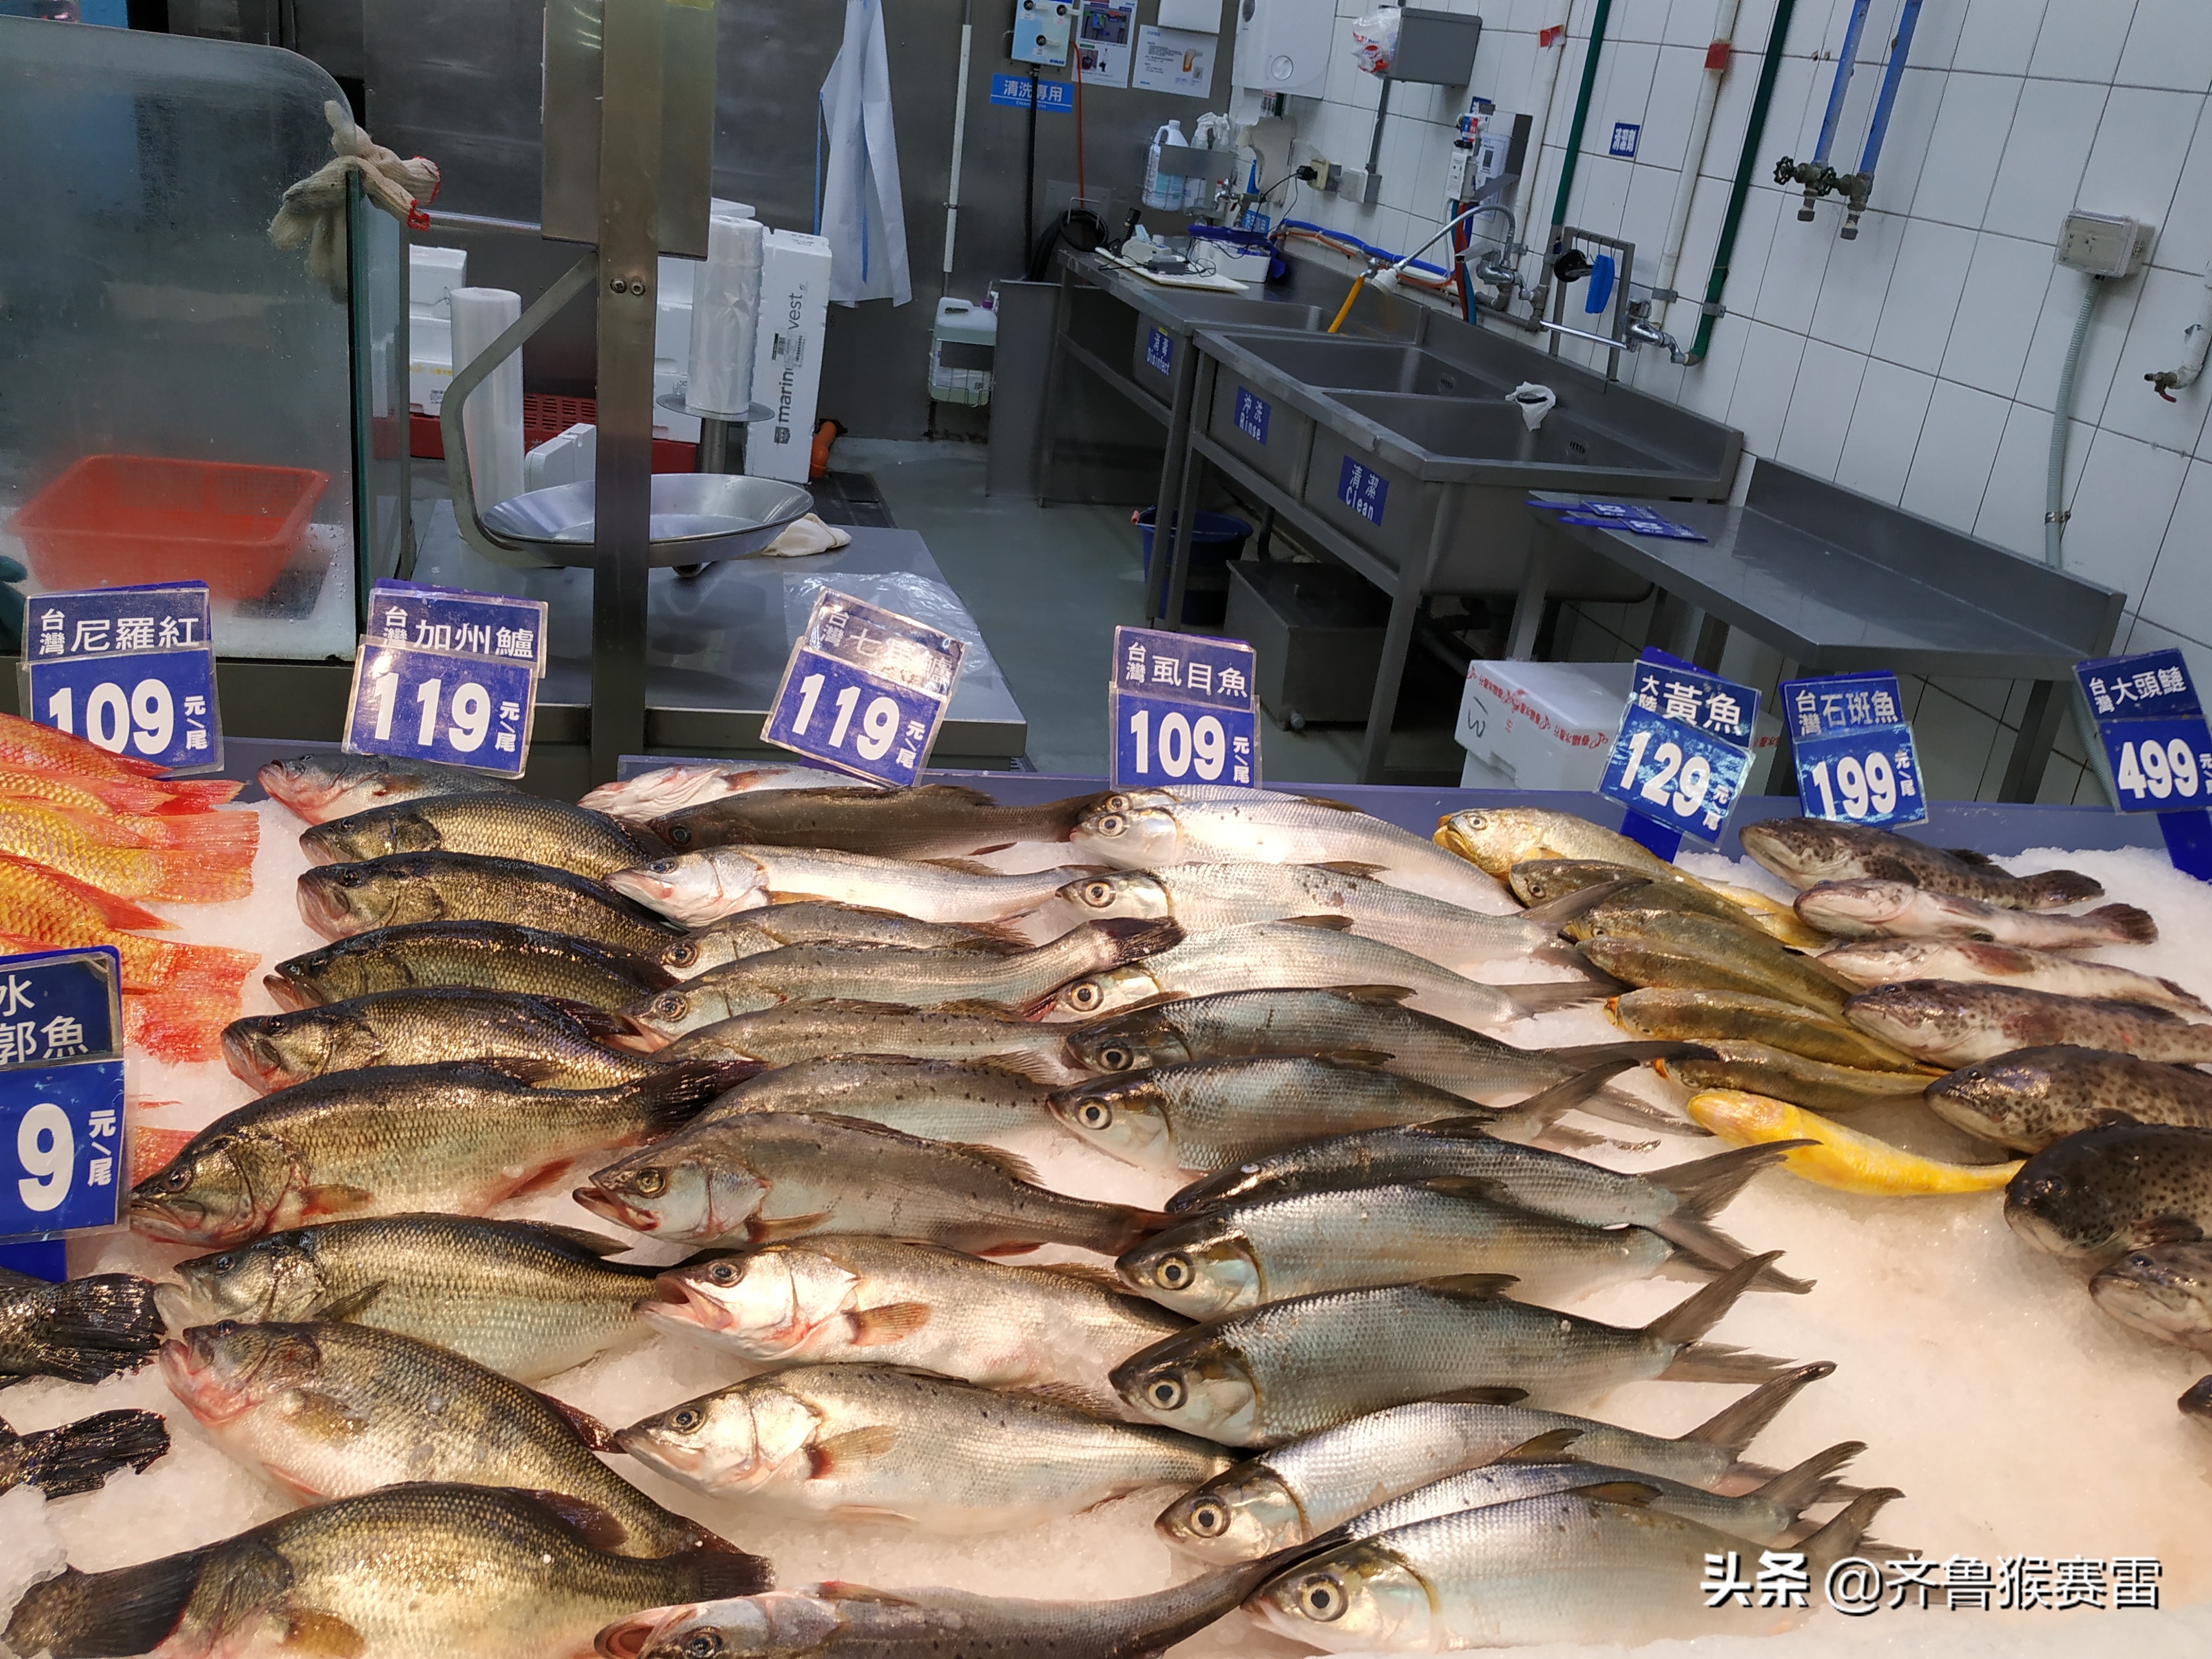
[724, 310]
[493, 416]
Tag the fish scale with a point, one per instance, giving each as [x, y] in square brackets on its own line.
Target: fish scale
[2029, 1097]
[492, 825]
[1953, 1024]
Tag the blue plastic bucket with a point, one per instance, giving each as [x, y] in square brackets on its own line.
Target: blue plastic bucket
[1215, 538]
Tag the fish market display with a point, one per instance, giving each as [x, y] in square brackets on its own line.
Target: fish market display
[1830, 1155]
[1898, 909]
[755, 932]
[2029, 1097]
[1307, 1486]
[2118, 1187]
[935, 820]
[938, 1099]
[696, 889]
[1291, 1367]
[1680, 951]
[759, 1177]
[818, 1031]
[335, 1411]
[485, 956]
[418, 1569]
[320, 787]
[340, 900]
[1887, 961]
[1806, 852]
[493, 824]
[1755, 1068]
[1703, 1016]
[1021, 981]
[79, 1457]
[1543, 880]
[388, 1140]
[80, 1330]
[539, 1039]
[859, 1299]
[1315, 953]
[526, 1299]
[1955, 1024]
[663, 789]
[2164, 1292]
[1149, 830]
[882, 1443]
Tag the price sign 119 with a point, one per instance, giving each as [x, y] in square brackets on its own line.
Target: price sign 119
[865, 690]
[431, 704]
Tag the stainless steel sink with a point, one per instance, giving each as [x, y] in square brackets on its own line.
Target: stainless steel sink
[1339, 362]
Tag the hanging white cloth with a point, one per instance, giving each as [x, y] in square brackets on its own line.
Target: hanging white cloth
[862, 215]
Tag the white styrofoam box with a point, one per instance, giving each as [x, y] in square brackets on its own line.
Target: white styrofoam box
[566, 458]
[429, 361]
[787, 355]
[434, 272]
[1543, 725]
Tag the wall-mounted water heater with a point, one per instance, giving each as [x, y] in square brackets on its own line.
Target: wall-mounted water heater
[1283, 46]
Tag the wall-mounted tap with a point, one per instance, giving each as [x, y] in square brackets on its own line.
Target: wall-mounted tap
[1642, 330]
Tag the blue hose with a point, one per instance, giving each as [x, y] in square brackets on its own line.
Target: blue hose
[1841, 84]
[1890, 76]
[1371, 251]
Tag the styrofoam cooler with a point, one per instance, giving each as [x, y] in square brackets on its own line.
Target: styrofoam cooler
[794, 314]
[1540, 725]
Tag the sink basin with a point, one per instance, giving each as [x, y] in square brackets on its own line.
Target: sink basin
[1340, 362]
[1447, 430]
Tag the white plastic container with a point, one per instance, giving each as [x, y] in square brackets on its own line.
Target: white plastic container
[1164, 193]
[794, 312]
[1540, 725]
[432, 273]
[961, 322]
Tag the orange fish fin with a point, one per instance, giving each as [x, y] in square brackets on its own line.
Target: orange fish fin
[195, 877]
[872, 1328]
[767, 1229]
[200, 794]
[115, 912]
[179, 1026]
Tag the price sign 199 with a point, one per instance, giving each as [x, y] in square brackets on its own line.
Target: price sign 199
[66, 1143]
[1867, 786]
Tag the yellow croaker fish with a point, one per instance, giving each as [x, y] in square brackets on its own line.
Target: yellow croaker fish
[1840, 1158]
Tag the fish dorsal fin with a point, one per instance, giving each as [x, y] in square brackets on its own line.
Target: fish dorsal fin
[1353, 867]
[1472, 1126]
[595, 1245]
[1634, 1493]
[1968, 855]
[584, 1519]
[972, 1006]
[1376, 996]
[1469, 1187]
[1330, 924]
[1006, 1163]
[1472, 1287]
[1549, 1447]
[835, 1589]
[1071, 1396]
[1485, 1396]
[961, 866]
[1366, 1059]
[945, 792]
[594, 1433]
[1333, 804]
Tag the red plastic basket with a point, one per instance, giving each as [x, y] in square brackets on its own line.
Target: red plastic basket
[112, 520]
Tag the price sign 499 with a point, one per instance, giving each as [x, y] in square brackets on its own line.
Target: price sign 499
[2159, 761]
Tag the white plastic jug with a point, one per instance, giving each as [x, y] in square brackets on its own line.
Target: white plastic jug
[1164, 192]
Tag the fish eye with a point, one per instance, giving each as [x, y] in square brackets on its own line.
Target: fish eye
[684, 1419]
[682, 956]
[670, 1005]
[1173, 1272]
[226, 1329]
[223, 1264]
[1209, 1518]
[177, 1180]
[661, 867]
[723, 1272]
[352, 877]
[1113, 823]
[1114, 1058]
[1095, 1115]
[705, 1645]
[1164, 1393]
[650, 1183]
[1321, 1598]
[1098, 893]
[678, 835]
[1084, 996]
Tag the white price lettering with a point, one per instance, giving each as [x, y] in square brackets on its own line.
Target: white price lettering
[472, 714]
[1656, 787]
[1141, 724]
[146, 719]
[108, 718]
[384, 688]
[1636, 747]
[1881, 784]
[153, 716]
[1851, 778]
[879, 729]
[847, 701]
[61, 709]
[1828, 795]
[810, 693]
[2129, 776]
[1211, 740]
[46, 1148]
[1697, 779]
[426, 729]
[2183, 760]
[1175, 744]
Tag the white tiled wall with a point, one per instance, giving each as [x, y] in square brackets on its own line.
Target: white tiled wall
[1920, 363]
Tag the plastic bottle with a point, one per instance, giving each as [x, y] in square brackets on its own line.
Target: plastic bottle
[1164, 192]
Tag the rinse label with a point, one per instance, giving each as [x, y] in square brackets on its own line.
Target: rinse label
[1855, 755]
[449, 676]
[1184, 709]
[132, 669]
[62, 1160]
[1159, 351]
[1684, 747]
[865, 690]
[1251, 415]
[1363, 489]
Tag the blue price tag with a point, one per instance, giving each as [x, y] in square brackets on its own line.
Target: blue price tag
[1159, 351]
[1684, 748]
[130, 668]
[1363, 489]
[1251, 415]
[61, 1092]
[1184, 710]
[1854, 752]
[2153, 729]
[437, 706]
[864, 691]
[453, 619]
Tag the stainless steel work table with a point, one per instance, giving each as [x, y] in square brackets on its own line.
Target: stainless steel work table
[716, 643]
[1838, 581]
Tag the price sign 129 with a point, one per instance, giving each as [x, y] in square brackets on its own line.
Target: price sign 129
[1684, 746]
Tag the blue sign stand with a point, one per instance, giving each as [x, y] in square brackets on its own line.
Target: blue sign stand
[1854, 752]
[1183, 710]
[864, 691]
[449, 675]
[1684, 750]
[62, 1161]
[132, 669]
[2156, 743]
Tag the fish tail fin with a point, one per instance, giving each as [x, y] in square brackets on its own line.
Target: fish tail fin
[189, 795]
[673, 1098]
[114, 911]
[129, 1610]
[1704, 1246]
[232, 837]
[1705, 1186]
[1735, 1426]
[2054, 887]
[1841, 1536]
[1529, 1001]
[1812, 1480]
[1548, 1105]
[1687, 1321]
[1716, 1362]
[727, 1572]
[180, 1023]
[196, 875]
[109, 1310]
[2129, 924]
[80, 1456]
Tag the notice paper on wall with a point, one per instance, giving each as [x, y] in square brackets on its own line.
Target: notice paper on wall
[1180, 61]
[1105, 37]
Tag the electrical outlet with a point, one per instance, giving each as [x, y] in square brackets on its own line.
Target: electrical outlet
[2103, 244]
[1352, 184]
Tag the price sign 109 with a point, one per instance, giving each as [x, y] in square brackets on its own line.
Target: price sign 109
[156, 705]
[1186, 747]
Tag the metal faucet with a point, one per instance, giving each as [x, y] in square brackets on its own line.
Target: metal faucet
[1642, 330]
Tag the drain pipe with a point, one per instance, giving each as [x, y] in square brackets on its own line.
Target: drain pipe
[1857, 186]
[2197, 336]
[1551, 46]
[2062, 417]
[1701, 133]
[1753, 132]
[1542, 296]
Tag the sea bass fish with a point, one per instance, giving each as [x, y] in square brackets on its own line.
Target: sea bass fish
[320, 787]
[1898, 909]
[333, 1411]
[696, 889]
[526, 1299]
[1829, 1155]
[762, 1176]
[1886, 962]
[1955, 1024]
[1698, 1016]
[484, 956]
[547, 1040]
[936, 1099]
[2117, 1187]
[388, 1140]
[1314, 953]
[755, 932]
[1304, 1487]
[2029, 1097]
[83, 1330]
[79, 1457]
[1020, 982]
[2164, 1292]
[1152, 829]
[857, 1299]
[1757, 1069]
[341, 900]
[1261, 1376]
[494, 825]
[887, 1443]
[816, 1030]
[933, 820]
[403, 1573]
[663, 789]
[1806, 852]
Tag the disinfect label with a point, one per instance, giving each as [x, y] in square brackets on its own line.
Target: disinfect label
[1855, 755]
[1624, 136]
[447, 675]
[132, 669]
[1684, 747]
[1363, 489]
[62, 1167]
[1013, 91]
[1159, 351]
[1184, 710]
[1251, 415]
[866, 691]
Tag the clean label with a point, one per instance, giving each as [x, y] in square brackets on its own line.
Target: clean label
[1013, 91]
[865, 690]
[1363, 489]
[1184, 710]
[1159, 351]
[132, 669]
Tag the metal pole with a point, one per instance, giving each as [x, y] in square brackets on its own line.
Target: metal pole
[630, 214]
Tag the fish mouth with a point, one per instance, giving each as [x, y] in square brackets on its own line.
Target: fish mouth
[677, 1298]
[252, 1059]
[178, 1308]
[191, 1379]
[159, 1219]
[633, 1638]
[319, 849]
[319, 908]
[641, 1038]
[601, 1202]
[288, 994]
